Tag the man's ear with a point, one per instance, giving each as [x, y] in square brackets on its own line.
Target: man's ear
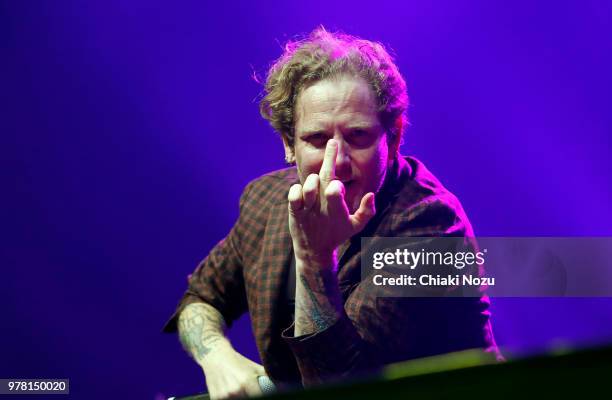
[289, 154]
[397, 141]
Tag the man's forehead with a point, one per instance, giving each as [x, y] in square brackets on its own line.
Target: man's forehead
[338, 100]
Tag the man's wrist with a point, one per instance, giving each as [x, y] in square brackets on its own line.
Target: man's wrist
[309, 260]
[217, 353]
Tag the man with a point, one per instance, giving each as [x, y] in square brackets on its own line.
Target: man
[292, 259]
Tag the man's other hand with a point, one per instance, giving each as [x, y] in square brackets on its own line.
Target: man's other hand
[231, 375]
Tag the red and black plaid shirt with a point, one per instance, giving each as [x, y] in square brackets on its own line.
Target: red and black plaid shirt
[248, 271]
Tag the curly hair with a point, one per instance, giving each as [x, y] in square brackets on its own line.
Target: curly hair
[324, 55]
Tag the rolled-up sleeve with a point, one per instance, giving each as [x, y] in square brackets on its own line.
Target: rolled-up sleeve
[336, 352]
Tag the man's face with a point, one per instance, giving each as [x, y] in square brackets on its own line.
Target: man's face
[343, 108]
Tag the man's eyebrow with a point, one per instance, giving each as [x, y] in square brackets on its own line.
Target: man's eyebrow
[354, 125]
[364, 125]
[311, 131]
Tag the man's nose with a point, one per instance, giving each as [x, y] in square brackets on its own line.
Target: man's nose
[343, 161]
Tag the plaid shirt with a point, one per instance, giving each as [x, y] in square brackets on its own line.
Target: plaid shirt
[248, 270]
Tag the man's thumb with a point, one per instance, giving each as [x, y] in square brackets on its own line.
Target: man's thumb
[364, 214]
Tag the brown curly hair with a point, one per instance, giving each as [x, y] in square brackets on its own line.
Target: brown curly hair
[324, 55]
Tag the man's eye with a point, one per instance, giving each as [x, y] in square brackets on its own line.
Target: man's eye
[317, 139]
[360, 137]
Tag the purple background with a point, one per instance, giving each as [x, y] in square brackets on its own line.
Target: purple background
[129, 129]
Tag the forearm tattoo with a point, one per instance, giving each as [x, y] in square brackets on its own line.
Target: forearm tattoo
[319, 304]
[200, 327]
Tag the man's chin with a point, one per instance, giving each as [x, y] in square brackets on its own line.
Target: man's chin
[352, 202]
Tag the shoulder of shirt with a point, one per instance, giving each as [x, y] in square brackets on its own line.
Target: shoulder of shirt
[273, 187]
[420, 190]
[418, 179]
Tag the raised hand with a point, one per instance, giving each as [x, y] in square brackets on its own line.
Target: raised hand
[319, 219]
